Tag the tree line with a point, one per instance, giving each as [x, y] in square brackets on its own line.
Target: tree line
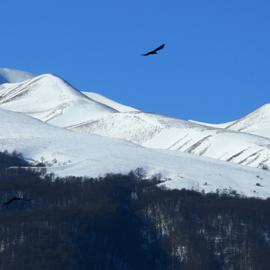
[124, 222]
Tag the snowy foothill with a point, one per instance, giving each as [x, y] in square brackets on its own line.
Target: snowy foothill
[160, 132]
[109, 102]
[54, 101]
[71, 153]
[87, 134]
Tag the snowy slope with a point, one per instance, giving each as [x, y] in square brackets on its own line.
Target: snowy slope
[257, 122]
[54, 101]
[14, 76]
[156, 131]
[108, 102]
[51, 100]
[221, 125]
[90, 155]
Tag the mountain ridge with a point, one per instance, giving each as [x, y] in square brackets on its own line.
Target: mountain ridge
[50, 99]
[56, 102]
[256, 122]
[68, 153]
[8, 75]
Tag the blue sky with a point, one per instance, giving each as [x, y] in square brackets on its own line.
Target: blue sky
[215, 68]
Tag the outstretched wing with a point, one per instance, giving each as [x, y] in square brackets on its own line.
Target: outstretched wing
[159, 48]
[155, 50]
[146, 54]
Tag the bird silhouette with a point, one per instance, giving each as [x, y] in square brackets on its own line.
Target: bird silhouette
[154, 51]
[13, 199]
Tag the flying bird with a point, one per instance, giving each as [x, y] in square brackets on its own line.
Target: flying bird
[16, 199]
[154, 51]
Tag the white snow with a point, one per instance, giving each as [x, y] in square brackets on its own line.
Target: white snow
[90, 134]
[220, 125]
[109, 102]
[160, 132]
[91, 155]
[51, 100]
[54, 101]
[14, 76]
[257, 122]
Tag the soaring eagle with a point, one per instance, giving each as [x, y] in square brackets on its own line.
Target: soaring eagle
[154, 51]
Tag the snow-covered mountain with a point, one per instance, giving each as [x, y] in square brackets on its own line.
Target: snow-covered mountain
[257, 122]
[84, 133]
[111, 103]
[71, 153]
[156, 131]
[54, 101]
[14, 76]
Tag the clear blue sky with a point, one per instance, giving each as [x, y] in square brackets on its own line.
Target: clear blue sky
[215, 68]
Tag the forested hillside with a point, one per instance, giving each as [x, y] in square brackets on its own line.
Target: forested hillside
[122, 222]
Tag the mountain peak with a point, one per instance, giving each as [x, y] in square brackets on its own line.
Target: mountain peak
[264, 108]
[51, 99]
[8, 75]
[256, 122]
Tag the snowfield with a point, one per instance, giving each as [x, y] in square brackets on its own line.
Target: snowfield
[71, 153]
[54, 101]
[8, 75]
[86, 134]
[257, 122]
[160, 132]
[110, 103]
